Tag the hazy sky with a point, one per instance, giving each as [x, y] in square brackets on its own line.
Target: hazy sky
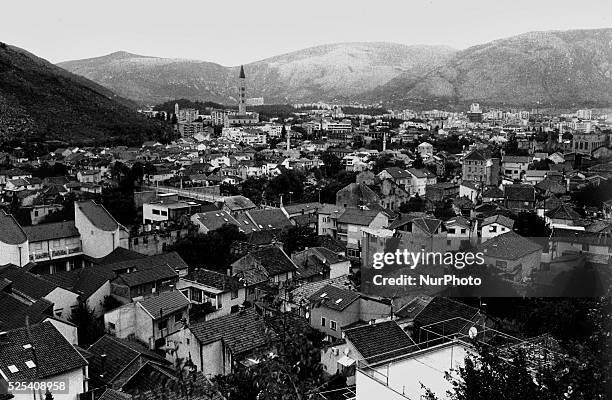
[240, 31]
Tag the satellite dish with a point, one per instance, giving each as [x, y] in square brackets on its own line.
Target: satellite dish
[473, 332]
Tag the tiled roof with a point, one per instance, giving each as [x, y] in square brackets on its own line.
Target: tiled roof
[56, 230]
[381, 341]
[334, 297]
[98, 215]
[357, 216]
[397, 172]
[413, 307]
[273, 260]
[241, 332]
[85, 281]
[215, 219]
[493, 192]
[452, 312]
[519, 192]
[475, 155]
[297, 208]
[10, 231]
[427, 225]
[172, 260]
[27, 283]
[306, 290]
[120, 353]
[151, 274]
[417, 173]
[13, 311]
[112, 394]
[563, 211]
[54, 354]
[508, 246]
[214, 279]
[166, 302]
[459, 221]
[498, 219]
[237, 203]
[516, 159]
[273, 218]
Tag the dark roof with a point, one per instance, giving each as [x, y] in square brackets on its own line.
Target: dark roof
[112, 394]
[56, 230]
[237, 203]
[242, 331]
[13, 311]
[143, 276]
[498, 219]
[98, 215]
[397, 172]
[519, 192]
[493, 192]
[428, 225]
[166, 302]
[26, 283]
[475, 155]
[84, 281]
[272, 218]
[172, 260]
[452, 312]
[508, 246]
[334, 297]
[273, 260]
[214, 279]
[413, 307]
[563, 212]
[10, 231]
[54, 354]
[215, 219]
[118, 255]
[120, 353]
[381, 341]
[357, 216]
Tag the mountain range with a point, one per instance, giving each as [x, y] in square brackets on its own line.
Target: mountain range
[555, 68]
[40, 101]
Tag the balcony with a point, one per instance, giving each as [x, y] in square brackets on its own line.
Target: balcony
[55, 253]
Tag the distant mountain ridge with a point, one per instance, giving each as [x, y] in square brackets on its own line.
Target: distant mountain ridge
[40, 101]
[550, 69]
[555, 68]
[336, 71]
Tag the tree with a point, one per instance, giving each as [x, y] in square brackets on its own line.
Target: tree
[414, 204]
[331, 164]
[89, 327]
[297, 238]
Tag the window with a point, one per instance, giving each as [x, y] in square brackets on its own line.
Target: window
[219, 303]
[164, 213]
[234, 294]
[163, 324]
[196, 295]
[111, 326]
[135, 241]
[585, 247]
[493, 229]
[463, 230]
[323, 322]
[332, 325]
[451, 230]
[155, 212]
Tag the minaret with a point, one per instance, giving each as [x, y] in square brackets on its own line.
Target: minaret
[176, 109]
[242, 92]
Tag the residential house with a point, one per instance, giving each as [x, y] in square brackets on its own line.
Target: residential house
[41, 353]
[89, 176]
[419, 179]
[327, 216]
[398, 175]
[519, 197]
[91, 284]
[221, 345]
[100, 232]
[212, 220]
[356, 195]
[563, 215]
[32, 288]
[115, 363]
[512, 255]
[495, 225]
[470, 190]
[224, 293]
[14, 247]
[149, 320]
[334, 309]
[265, 265]
[168, 210]
[318, 263]
[237, 204]
[480, 168]
[350, 223]
[515, 167]
[54, 247]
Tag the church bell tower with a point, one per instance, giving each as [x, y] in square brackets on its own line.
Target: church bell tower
[242, 92]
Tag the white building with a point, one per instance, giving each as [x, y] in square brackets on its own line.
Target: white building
[100, 232]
